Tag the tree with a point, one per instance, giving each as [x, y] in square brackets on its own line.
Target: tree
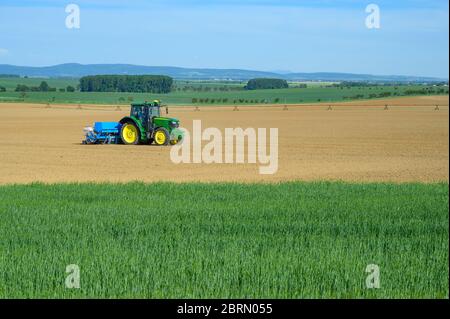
[70, 88]
[266, 83]
[2, 89]
[43, 87]
[22, 88]
[127, 83]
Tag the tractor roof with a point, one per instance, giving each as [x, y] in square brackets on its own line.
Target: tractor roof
[146, 103]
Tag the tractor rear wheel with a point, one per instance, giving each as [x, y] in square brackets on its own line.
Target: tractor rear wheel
[129, 134]
[161, 136]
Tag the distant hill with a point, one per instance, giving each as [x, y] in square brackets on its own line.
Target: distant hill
[78, 70]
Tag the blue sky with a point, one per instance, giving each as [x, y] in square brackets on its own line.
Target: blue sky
[284, 35]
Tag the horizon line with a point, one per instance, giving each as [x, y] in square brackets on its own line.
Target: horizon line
[216, 68]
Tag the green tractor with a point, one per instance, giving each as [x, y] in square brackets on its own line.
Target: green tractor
[145, 125]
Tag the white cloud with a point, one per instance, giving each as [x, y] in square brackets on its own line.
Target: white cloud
[3, 51]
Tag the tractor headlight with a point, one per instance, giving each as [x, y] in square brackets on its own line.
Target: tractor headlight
[174, 124]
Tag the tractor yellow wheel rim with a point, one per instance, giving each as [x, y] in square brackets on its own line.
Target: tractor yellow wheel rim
[130, 133]
[160, 138]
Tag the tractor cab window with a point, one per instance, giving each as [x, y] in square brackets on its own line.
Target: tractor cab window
[154, 111]
[139, 112]
[135, 111]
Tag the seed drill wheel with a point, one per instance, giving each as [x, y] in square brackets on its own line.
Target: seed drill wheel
[161, 137]
[129, 134]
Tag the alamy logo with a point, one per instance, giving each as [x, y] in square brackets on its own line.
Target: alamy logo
[373, 279]
[73, 277]
[73, 19]
[373, 19]
[229, 147]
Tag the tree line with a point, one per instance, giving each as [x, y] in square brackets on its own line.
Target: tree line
[352, 84]
[7, 76]
[266, 83]
[425, 91]
[207, 88]
[43, 87]
[126, 83]
[234, 101]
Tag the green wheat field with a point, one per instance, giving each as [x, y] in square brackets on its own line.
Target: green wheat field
[164, 240]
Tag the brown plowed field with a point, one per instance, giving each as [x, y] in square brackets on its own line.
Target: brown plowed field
[357, 141]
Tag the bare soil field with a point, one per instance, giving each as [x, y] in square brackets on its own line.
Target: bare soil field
[358, 141]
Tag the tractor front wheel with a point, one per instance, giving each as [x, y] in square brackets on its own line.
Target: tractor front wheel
[161, 136]
[129, 134]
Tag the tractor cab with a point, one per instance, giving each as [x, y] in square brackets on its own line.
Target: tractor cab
[144, 111]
